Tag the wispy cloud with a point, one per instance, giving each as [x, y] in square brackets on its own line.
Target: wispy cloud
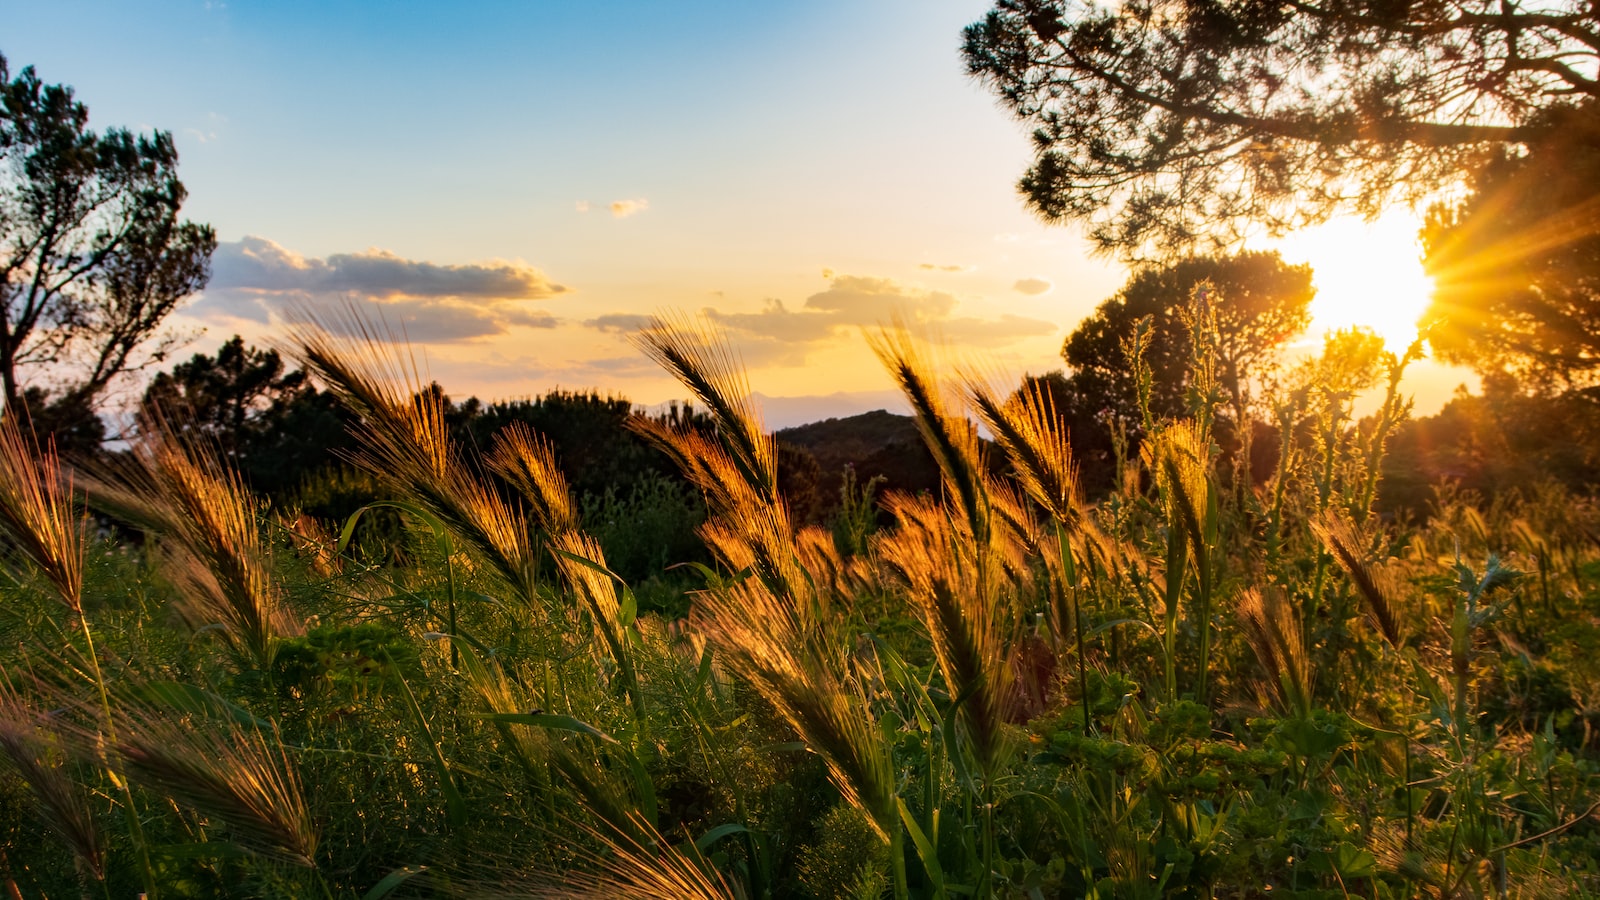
[1033, 287]
[210, 131]
[625, 208]
[259, 280]
[946, 267]
[581, 206]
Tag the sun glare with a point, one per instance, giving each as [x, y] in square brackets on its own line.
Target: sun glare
[1366, 273]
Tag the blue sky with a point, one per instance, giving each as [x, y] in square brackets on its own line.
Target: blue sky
[793, 169]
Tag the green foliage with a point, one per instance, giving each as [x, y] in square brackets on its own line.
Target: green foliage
[845, 861]
[857, 517]
[1499, 441]
[1189, 689]
[647, 531]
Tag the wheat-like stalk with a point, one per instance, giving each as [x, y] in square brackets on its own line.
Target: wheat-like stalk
[953, 441]
[213, 543]
[642, 867]
[964, 622]
[806, 681]
[1273, 629]
[700, 357]
[406, 444]
[235, 773]
[750, 525]
[63, 803]
[1176, 456]
[1338, 534]
[527, 462]
[1035, 441]
[38, 515]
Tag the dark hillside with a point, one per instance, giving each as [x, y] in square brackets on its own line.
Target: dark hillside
[877, 443]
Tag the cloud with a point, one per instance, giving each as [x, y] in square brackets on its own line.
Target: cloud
[777, 321]
[1033, 287]
[259, 264]
[259, 280]
[209, 132]
[619, 323]
[780, 334]
[581, 206]
[854, 300]
[625, 208]
[951, 267]
[529, 318]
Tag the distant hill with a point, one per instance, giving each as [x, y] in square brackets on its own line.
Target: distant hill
[792, 412]
[874, 443]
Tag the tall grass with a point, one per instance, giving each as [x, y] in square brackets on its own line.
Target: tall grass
[1198, 685]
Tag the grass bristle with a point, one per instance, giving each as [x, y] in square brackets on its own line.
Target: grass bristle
[700, 357]
[38, 515]
[526, 461]
[1035, 441]
[965, 623]
[806, 680]
[406, 444]
[63, 803]
[952, 441]
[1273, 629]
[1343, 542]
[648, 867]
[212, 540]
[240, 775]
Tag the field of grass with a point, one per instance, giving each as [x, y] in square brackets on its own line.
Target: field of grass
[1197, 686]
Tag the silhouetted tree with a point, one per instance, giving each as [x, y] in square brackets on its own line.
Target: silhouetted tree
[1260, 303]
[1517, 263]
[1491, 443]
[92, 255]
[274, 426]
[1166, 124]
[800, 483]
[219, 396]
[872, 445]
[595, 449]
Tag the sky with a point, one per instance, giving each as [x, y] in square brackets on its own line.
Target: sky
[513, 187]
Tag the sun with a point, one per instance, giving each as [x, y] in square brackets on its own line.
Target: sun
[1367, 274]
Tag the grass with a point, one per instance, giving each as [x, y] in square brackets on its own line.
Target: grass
[1196, 686]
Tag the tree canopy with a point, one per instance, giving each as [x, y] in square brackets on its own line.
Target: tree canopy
[1168, 124]
[1516, 264]
[93, 256]
[1260, 302]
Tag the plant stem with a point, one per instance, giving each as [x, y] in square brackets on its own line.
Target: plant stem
[135, 827]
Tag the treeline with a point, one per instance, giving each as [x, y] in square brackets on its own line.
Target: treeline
[290, 440]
